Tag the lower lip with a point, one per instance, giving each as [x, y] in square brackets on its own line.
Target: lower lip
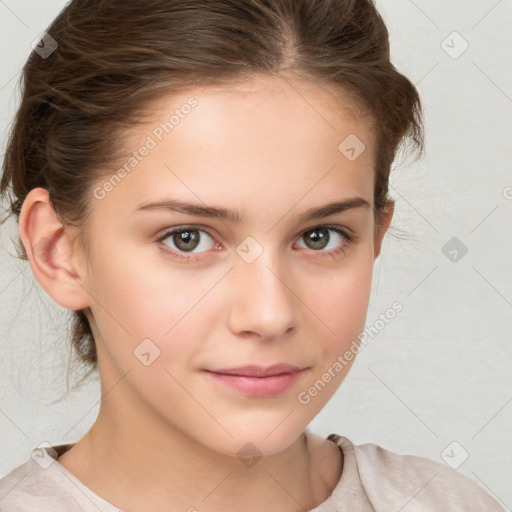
[258, 386]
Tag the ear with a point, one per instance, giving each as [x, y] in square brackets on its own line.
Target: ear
[381, 231]
[51, 252]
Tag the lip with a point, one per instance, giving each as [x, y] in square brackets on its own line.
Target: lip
[260, 371]
[258, 381]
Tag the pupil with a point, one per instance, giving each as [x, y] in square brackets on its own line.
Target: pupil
[186, 240]
[319, 238]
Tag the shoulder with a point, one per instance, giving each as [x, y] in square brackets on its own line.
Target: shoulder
[34, 486]
[392, 480]
[43, 485]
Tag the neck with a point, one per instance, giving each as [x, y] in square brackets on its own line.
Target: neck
[137, 461]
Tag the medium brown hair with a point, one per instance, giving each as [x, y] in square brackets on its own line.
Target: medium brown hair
[114, 56]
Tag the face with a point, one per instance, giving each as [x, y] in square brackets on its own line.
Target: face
[253, 275]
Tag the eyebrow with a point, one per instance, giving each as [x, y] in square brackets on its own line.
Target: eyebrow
[202, 210]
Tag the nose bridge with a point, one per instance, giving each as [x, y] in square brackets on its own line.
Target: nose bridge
[265, 303]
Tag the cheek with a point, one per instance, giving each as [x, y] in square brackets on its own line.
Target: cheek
[160, 303]
[341, 308]
[340, 302]
[348, 304]
[169, 305]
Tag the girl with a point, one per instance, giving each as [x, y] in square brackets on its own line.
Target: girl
[204, 184]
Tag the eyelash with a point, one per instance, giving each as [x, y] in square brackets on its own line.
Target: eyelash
[349, 239]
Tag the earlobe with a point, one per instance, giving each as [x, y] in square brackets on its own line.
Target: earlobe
[50, 251]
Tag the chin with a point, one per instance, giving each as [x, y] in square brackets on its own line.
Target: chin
[255, 438]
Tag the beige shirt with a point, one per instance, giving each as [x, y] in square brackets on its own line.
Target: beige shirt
[373, 480]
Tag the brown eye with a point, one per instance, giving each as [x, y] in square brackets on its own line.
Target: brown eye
[187, 240]
[327, 239]
[317, 238]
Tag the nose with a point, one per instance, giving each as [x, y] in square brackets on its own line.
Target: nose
[263, 300]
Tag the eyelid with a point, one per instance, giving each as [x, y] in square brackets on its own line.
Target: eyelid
[348, 234]
[336, 227]
[200, 227]
[164, 233]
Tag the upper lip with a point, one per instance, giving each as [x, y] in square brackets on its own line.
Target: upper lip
[260, 371]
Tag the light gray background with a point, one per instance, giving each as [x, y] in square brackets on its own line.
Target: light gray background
[440, 372]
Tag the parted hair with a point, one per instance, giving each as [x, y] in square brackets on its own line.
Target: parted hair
[115, 56]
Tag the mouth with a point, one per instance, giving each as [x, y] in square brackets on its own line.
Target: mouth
[258, 381]
[260, 371]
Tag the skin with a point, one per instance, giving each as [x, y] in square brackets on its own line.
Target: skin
[267, 147]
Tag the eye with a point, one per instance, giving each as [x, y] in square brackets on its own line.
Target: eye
[186, 240]
[332, 238]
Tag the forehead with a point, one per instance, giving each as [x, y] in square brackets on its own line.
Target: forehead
[263, 141]
[287, 96]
